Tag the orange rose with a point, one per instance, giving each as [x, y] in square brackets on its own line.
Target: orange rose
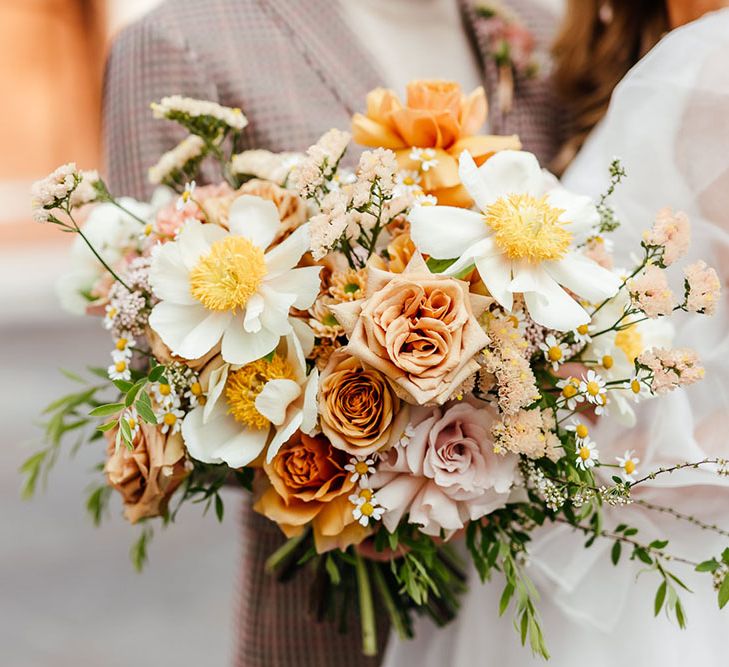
[417, 328]
[149, 473]
[306, 483]
[438, 116]
[360, 412]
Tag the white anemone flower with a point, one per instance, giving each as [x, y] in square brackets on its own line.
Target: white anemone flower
[522, 239]
[216, 284]
[249, 407]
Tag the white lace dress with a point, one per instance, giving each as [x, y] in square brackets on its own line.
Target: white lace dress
[669, 123]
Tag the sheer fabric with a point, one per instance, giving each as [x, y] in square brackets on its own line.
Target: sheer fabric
[669, 123]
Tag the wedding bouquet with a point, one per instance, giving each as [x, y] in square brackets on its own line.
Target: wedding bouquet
[388, 357]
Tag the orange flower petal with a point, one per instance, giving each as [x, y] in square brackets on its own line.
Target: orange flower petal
[296, 513]
[444, 175]
[369, 132]
[483, 146]
[474, 111]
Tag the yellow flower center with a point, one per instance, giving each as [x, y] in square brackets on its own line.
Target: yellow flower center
[165, 389]
[196, 389]
[554, 353]
[528, 228]
[120, 366]
[629, 467]
[228, 275]
[408, 180]
[367, 509]
[244, 385]
[132, 423]
[366, 494]
[148, 229]
[582, 431]
[582, 329]
[112, 313]
[361, 467]
[635, 386]
[121, 344]
[170, 418]
[630, 342]
[584, 453]
[569, 390]
[593, 388]
[607, 362]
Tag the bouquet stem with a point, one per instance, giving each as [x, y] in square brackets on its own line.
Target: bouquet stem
[366, 607]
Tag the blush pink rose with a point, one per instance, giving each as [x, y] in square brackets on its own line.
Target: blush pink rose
[170, 219]
[447, 473]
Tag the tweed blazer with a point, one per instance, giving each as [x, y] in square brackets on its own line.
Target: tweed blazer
[296, 69]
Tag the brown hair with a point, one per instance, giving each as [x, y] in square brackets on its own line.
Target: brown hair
[599, 42]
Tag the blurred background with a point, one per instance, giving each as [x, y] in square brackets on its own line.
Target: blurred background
[68, 593]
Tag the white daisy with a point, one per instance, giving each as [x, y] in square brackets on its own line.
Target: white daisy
[522, 240]
[582, 334]
[360, 467]
[165, 395]
[586, 454]
[570, 395]
[629, 463]
[186, 195]
[171, 419]
[592, 386]
[119, 370]
[366, 507]
[427, 157]
[245, 406]
[579, 429]
[554, 352]
[407, 182]
[110, 313]
[194, 393]
[214, 284]
[132, 419]
[123, 345]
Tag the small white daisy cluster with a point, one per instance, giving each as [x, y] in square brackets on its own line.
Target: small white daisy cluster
[425, 157]
[366, 507]
[129, 311]
[185, 383]
[132, 419]
[177, 105]
[177, 161]
[53, 190]
[587, 454]
[555, 352]
[554, 496]
[121, 357]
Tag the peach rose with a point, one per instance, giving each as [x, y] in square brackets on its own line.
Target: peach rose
[359, 411]
[306, 483]
[169, 219]
[448, 474]
[417, 328]
[435, 115]
[149, 473]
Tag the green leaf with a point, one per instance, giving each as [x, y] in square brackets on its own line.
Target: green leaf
[72, 376]
[106, 410]
[123, 385]
[615, 553]
[660, 598]
[144, 408]
[724, 592]
[524, 627]
[658, 544]
[643, 555]
[708, 566]
[631, 531]
[97, 502]
[134, 390]
[439, 265]
[506, 598]
[680, 616]
[138, 551]
[219, 507]
[32, 468]
[126, 432]
[725, 556]
[156, 373]
[332, 570]
[107, 426]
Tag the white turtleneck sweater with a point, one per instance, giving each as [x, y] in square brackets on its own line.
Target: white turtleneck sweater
[414, 39]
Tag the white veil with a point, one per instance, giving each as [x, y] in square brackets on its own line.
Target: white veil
[669, 123]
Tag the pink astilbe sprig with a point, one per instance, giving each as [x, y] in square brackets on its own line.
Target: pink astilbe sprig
[671, 368]
[703, 288]
[671, 234]
[649, 292]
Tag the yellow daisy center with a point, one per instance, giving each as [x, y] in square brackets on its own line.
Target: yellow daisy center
[361, 467]
[569, 390]
[366, 494]
[132, 423]
[554, 353]
[196, 389]
[228, 275]
[629, 467]
[165, 389]
[121, 344]
[630, 342]
[244, 385]
[120, 366]
[584, 453]
[593, 388]
[582, 431]
[408, 180]
[607, 362]
[528, 228]
[170, 418]
[635, 386]
[582, 329]
[367, 509]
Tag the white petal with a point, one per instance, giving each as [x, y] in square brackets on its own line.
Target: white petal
[286, 255]
[254, 218]
[195, 239]
[240, 347]
[169, 277]
[303, 282]
[275, 398]
[296, 357]
[252, 317]
[580, 211]
[445, 231]
[189, 331]
[584, 277]
[473, 182]
[216, 384]
[283, 434]
[553, 308]
[303, 333]
[275, 314]
[221, 439]
[483, 248]
[510, 172]
[309, 410]
[495, 272]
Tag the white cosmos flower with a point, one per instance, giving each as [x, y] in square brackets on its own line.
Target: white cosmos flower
[267, 399]
[522, 239]
[217, 284]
